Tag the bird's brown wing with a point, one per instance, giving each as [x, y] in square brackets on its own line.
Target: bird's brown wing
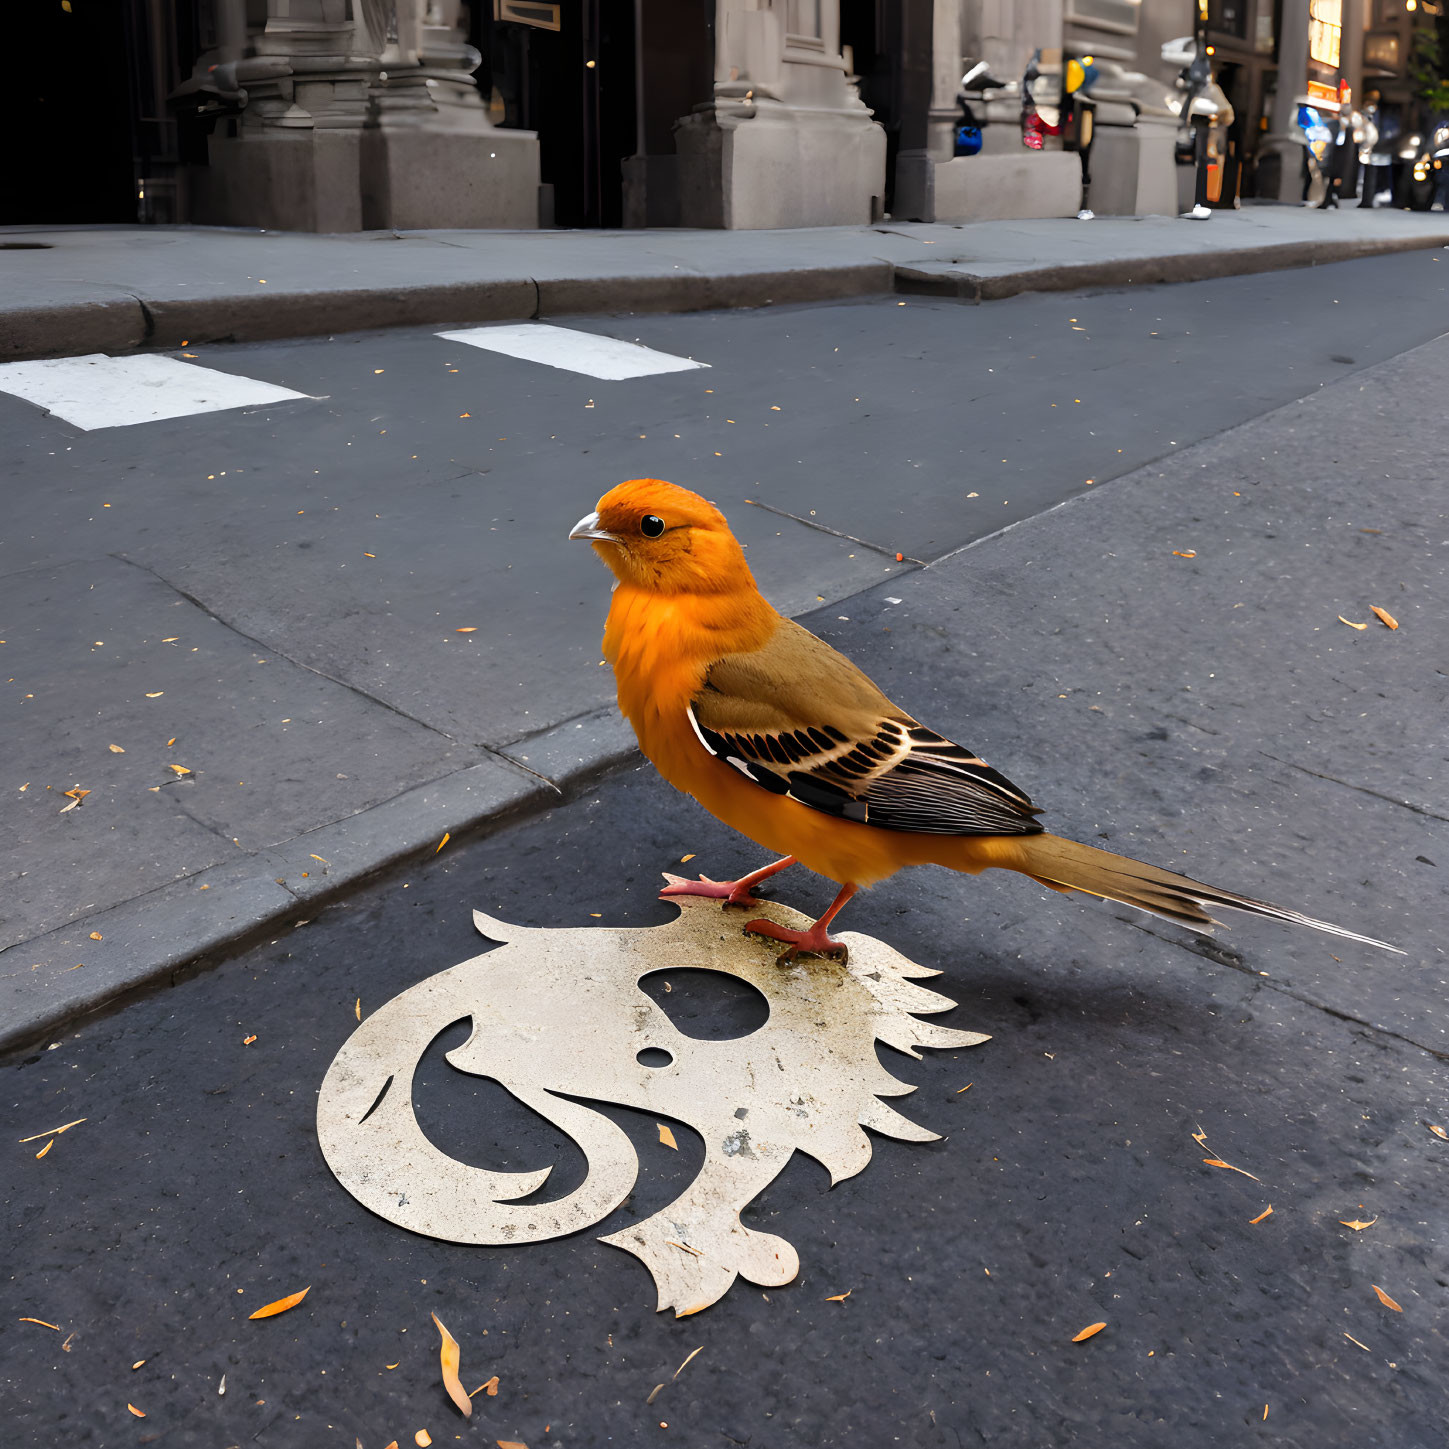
[799, 719]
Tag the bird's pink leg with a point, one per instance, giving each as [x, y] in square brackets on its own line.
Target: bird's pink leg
[731, 892]
[817, 940]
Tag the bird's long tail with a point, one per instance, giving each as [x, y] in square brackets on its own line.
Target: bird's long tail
[1068, 866]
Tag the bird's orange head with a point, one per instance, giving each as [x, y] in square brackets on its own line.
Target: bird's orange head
[665, 539]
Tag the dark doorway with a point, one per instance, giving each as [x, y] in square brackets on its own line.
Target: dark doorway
[574, 85]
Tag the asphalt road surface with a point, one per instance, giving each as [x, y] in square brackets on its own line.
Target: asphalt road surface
[1207, 712]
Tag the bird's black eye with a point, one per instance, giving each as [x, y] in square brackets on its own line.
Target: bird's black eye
[651, 526]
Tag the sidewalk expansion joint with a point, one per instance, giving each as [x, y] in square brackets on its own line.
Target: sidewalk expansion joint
[281, 653]
[889, 553]
[1362, 789]
[1209, 950]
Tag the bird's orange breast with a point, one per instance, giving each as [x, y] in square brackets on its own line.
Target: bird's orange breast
[660, 649]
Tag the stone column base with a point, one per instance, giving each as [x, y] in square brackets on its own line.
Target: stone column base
[1008, 185]
[303, 180]
[417, 177]
[772, 165]
[1133, 170]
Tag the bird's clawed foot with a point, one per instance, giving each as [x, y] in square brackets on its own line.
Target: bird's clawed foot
[816, 941]
[730, 892]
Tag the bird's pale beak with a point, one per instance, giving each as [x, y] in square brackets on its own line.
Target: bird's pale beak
[588, 527]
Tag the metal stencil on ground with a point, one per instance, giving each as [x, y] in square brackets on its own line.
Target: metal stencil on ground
[559, 1015]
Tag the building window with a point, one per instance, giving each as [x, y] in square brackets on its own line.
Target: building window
[1229, 16]
[1381, 51]
[1324, 27]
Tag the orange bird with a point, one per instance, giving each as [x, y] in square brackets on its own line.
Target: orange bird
[783, 738]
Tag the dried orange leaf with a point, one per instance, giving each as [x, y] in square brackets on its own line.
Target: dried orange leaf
[1184, 553]
[1357, 1225]
[449, 1356]
[685, 859]
[1200, 1137]
[1218, 1162]
[840, 1297]
[359, 1008]
[490, 1388]
[1439, 1132]
[282, 1304]
[667, 1137]
[137, 1412]
[1383, 616]
[54, 1131]
[115, 749]
[686, 1362]
[422, 1439]
[654, 1393]
[966, 1088]
[96, 936]
[137, 1364]
[1350, 623]
[1090, 1331]
[248, 1040]
[45, 1149]
[1267, 1212]
[172, 741]
[179, 769]
[468, 629]
[157, 695]
[509, 1444]
[41, 1322]
[447, 836]
[1362, 1345]
[1385, 1299]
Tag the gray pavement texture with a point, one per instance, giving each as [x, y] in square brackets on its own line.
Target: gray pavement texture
[1160, 662]
[269, 599]
[109, 289]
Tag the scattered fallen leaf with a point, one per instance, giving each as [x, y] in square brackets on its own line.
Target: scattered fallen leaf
[172, 741]
[490, 1388]
[137, 1412]
[282, 1304]
[318, 857]
[509, 1444]
[449, 1357]
[179, 769]
[157, 695]
[96, 936]
[685, 859]
[1357, 1225]
[1267, 1212]
[447, 836]
[1350, 623]
[1265, 1411]
[69, 1339]
[686, 1362]
[471, 629]
[654, 1393]
[966, 1088]
[422, 1439]
[66, 809]
[1363, 1346]
[1383, 616]
[392, 1365]
[46, 1148]
[55, 1131]
[1090, 1331]
[1385, 1299]
[1439, 1132]
[840, 1297]
[359, 1008]
[1184, 553]
[115, 749]
[41, 1322]
[1200, 1137]
[221, 1387]
[1218, 1162]
[247, 1041]
[667, 1137]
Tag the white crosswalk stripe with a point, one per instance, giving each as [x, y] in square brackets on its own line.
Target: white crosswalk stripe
[586, 352]
[112, 392]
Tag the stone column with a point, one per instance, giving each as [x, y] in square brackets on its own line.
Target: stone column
[785, 141]
[356, 113]
[1292, 77]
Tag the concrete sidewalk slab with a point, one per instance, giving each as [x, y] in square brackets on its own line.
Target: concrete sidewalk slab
[108, 288]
